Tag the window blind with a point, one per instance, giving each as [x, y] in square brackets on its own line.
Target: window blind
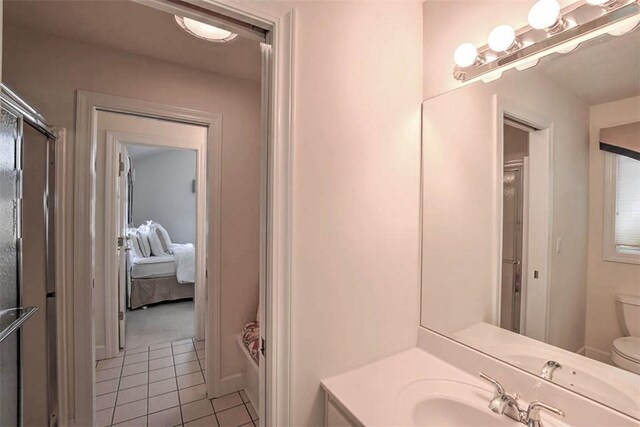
[627, 220]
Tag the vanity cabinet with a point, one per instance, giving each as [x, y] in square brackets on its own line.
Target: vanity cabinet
[334, 416]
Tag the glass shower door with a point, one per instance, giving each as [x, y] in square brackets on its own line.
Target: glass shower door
[9, 285]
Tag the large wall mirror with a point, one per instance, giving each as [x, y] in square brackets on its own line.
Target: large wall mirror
[531, 218]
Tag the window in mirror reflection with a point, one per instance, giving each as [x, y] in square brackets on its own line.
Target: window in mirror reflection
[623, 187]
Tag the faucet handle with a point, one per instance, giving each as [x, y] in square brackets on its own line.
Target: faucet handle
[533, 412]
[499, 388]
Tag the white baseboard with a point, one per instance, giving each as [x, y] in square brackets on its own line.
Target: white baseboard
[232, 383]
[599, 355]
[101, 352]
[581, 351]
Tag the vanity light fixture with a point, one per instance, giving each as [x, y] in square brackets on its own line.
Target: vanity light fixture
[204, 31]
[564, 29]
[503, 39]
[545, 15]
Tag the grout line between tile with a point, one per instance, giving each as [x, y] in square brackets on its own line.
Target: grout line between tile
[177, 387]
[146, 419]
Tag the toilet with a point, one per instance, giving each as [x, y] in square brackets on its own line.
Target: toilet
[625, 352]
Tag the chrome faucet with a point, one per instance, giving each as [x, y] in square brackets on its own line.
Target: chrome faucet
[548, 369]
[505, 404]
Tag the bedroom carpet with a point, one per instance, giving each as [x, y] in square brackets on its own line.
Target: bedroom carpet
[160, 323]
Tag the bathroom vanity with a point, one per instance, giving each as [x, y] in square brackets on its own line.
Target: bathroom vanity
[530, 250]
[437, 384]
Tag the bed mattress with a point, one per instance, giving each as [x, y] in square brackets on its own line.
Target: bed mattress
[150, 267]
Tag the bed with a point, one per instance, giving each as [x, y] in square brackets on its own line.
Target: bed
[156, 279]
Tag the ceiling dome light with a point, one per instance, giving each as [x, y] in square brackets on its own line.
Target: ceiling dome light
[465, 55]
[204, 31]
[545, 15]
[503, 38]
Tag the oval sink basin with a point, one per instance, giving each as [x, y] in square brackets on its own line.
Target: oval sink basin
[448, 403]
[446, 412]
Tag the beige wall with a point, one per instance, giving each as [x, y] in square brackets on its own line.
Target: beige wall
[47, 71]
[605, 279]
[356, 190]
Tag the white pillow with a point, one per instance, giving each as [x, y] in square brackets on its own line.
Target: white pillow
[159, 246]
[164, 235]
[145, 246]
[134, 243]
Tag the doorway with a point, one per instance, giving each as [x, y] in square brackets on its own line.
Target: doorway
[525, 222]
[515, 177]
[148, 168]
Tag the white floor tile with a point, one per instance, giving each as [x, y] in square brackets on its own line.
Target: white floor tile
[201, 354]
[103, 418]
[163, 401]
[136, 422]
[135, 368]
[105, 401]
[198, 409]
[107, 386]
[191, 394]
[187, 368]
[163, 352]
[133, 380]
[161, 374]
[233, 417]
[186, 348]
[108, 374]
[185, 357]
[190, 380]
[130, 411]
[226, 402]
[161, 387]
[159, 346]
[137, 350]
[167, 418]
[132, 394]
[136, 358]
[109, 363]
[163, 362]
[209, 421]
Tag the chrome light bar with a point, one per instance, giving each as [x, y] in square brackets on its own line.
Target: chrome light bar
[581, 20]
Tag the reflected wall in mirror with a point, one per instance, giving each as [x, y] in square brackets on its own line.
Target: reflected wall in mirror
[531, 219]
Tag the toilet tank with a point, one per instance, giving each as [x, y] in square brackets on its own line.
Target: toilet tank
[628, 307]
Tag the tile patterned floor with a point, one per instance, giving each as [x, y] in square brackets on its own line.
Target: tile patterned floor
[164, 386]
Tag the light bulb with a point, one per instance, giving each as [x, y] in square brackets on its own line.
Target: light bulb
[544, 14]
[465, 55]
[502, 38]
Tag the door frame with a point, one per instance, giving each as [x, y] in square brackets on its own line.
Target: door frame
[503, 107]
[115, 138]
[279, 20]
[88, 105]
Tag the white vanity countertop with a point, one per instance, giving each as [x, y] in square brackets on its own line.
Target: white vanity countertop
[372, 394]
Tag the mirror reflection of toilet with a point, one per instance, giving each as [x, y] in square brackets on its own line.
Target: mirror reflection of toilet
[625, 351]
